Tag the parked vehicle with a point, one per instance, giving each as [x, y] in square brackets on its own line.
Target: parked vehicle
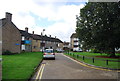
[49, 53]
[60, 50]
[77, 50]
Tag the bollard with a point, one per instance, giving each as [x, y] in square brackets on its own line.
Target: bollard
[93, 59]
[83, 57]
[77, 56]
[106, 62]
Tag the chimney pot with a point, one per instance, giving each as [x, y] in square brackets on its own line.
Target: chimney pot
[8, 16]
[26, 29]
[41, 34]
[33, 32]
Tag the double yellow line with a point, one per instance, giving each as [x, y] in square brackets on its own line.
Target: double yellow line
[40, 72]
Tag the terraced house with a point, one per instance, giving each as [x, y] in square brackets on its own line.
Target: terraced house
[0, 37]
[26, 39]
[16, 40]
[39, 42]
[11, 37]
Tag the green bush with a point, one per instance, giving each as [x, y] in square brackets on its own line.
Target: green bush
[7, 52]
[94, 51]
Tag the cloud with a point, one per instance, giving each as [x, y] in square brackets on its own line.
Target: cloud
[63, 30]
[63, 15]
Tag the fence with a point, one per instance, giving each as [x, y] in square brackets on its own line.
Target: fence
[92, 58]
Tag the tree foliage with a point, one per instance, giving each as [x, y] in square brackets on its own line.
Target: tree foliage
[98, 26]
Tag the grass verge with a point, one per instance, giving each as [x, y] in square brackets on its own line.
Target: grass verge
[97, 61]
[20, 66]
[0, 56]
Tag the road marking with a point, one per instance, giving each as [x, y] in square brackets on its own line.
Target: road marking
[40, 72]
[40, 77]
[88, 65]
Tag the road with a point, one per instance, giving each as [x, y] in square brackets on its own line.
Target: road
[65, 68]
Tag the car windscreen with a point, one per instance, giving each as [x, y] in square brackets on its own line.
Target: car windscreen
[48, 51]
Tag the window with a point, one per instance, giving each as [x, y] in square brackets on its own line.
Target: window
[23, 38]
[34, 46]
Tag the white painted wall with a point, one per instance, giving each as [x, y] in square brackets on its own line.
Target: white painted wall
[23, 47]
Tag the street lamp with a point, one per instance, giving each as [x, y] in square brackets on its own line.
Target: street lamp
[42, 39]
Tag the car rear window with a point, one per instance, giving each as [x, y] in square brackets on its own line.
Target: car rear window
[48, 51]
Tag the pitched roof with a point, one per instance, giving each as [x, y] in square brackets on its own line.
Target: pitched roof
[36, 37]
[5, 21]
[24, 33]
[39, 37]
[74, 35]
[65, 43]
[58, 40]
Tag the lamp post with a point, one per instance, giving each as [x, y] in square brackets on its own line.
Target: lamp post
[42, 39]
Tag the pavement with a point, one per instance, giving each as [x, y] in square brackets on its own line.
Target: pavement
[64, 67]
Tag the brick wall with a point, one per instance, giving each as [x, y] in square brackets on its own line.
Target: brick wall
[35, 45]
[0, 37]
[11, 37]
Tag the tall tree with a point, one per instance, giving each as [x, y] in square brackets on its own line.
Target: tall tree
[98, 26]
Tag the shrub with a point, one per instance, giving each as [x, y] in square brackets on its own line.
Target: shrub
[94, 51]
[7, 52]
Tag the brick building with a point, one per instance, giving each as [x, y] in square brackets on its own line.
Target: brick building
[26, 39]
[0, 37]
[74, 43]
[11, 37]
[39, 42]
[14, 40]
[66, 46]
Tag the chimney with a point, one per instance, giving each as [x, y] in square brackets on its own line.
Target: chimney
[26, 29]
[33, 32]
[41, 34]
[50, 35]
[45, 35]
[8, 16]
[55, 36]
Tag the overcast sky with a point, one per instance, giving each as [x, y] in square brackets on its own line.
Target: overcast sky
[57, 17]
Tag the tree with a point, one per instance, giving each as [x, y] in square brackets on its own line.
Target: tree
[98, 26]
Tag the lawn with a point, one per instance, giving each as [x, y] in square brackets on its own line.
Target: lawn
[0, 56]
[97, 60]
[20, 66]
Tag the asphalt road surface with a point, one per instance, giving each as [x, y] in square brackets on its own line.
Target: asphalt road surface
[65, 68]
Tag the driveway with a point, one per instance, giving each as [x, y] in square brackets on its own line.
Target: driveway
[65, 68]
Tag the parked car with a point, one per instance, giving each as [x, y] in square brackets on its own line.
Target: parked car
[60, 50]
[77, 50]
[49, 53]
